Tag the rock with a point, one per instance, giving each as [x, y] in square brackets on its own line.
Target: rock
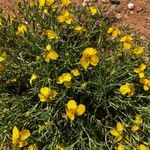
[130, 6]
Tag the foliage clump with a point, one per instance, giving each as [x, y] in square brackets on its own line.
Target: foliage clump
[69, 80]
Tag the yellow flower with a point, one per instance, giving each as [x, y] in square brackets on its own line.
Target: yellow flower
[47, 94]
[146, 83]
[58, 147]
[65, 2]
[143, 147]
[45, 11]
[138, 51]
[74, 109]
[42, 3]
[50, 34]
[75, 72]
[21, 29]
[127, 42]
[49, 2]
[114, 31]
[117, 131]
[137, 122]
[3, 56]
[65, 78]
[19, 137]
[79, 29]
[65, 17]
[49, 54]
[1, 67]
[120, 147]
[89, 56]
[33, 77]
[32, 147]
[140, 70]
[92, 10]
[127, 89]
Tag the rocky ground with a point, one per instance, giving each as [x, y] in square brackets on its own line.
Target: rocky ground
[137, 18]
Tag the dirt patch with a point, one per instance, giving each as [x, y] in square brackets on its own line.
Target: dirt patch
[137, 19]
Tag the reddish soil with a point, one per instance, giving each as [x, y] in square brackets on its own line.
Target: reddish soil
[137, 19]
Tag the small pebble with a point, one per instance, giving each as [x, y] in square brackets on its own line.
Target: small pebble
[130, 6]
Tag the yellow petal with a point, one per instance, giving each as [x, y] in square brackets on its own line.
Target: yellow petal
[3, 56]
[124, 89]
[146, 88]
[15, 135]
[49, 2]
[33, 77]
[136, 70]
[42, 98]
[69, 20]
[138, 50]
[84, 62]
[58, 147]
[141, 74]
[65, 2]
[90, 51]
[32, 147]
[72, 105]
[80, 110]
[45, 91]
[22, 143]
[119, 127]
[24, 135]
[120, 147]
[66, 77]
[138, 119]
[114, 132]
[127, 45]
[48, 47]
[75, 72]
[142, 67]
[94, 60]
[41, 3]
[61, 19]
[70, 115]
[53, 55]
[119, 138]
[110, 30]
[142, 147]
[135, 128]
[93, 10]
[68, 84]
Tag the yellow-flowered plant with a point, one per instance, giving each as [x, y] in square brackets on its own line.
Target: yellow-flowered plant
[65, 79]
[89, 56]
[146, 83]
[43, 3]
[19, 138]
[140, 70]
[47, 94]
[58, 147]
[137, 122]
[33, 78]
[142, 147]
[49, 54]
[74, 109]
[79, 29]
[21, 29]
[127, 88]
[127, 42]
[114, 31]
[92, 10]
[32, 147]
[118, 131]
[65, 2]
[138, 51]
[65, 17]
[50, 34]
[3, 56]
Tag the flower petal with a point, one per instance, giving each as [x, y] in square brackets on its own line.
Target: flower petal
[80, 110]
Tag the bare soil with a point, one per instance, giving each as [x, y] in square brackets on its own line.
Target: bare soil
[138, 19]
